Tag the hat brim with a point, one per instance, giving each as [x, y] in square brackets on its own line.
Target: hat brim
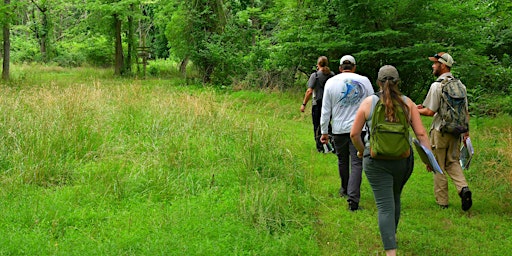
[434, 59]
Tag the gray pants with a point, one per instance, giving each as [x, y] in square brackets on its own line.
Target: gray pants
[350, 166]
[387, 179]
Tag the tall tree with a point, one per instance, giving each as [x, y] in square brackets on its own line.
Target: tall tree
[130, 38]
[43, 28]
[119, 57]
[115, 13]
[192, 28]
[6, 42]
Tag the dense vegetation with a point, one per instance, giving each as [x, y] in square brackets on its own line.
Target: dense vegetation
[273, 43]
[91, 164]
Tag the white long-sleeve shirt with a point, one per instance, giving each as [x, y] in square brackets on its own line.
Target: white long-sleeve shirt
[343, 94]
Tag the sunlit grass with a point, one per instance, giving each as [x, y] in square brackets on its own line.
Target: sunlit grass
[90, 164]
[100, 165]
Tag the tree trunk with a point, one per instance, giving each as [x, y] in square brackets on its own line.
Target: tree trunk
[42, 34]
[7, 46]
[183, 67]
[131, 46]
[119, 47]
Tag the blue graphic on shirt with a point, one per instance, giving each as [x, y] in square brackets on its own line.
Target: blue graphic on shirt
[353, 93]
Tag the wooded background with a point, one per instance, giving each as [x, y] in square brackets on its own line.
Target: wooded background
[264, 43]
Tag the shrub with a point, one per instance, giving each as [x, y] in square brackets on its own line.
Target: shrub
[69, 55]
[24, 49]
[98, 51]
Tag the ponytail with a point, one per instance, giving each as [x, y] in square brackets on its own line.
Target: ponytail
[323, 62]
[391, 95]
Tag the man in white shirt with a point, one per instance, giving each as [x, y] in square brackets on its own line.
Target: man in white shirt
[343, 94]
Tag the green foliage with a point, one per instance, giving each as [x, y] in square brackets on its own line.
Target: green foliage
[98, 51]
[161, 68]
[24, 49]
[70, 54]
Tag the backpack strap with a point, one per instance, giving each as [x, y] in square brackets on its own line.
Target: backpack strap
[404, 98]
[375, 99]
[316, 78]
[446, 78]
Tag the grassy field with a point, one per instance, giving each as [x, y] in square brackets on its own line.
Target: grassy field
[91, 165]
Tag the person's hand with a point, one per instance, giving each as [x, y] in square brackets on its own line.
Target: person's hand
[465, 136]
[419, 106]
[325, 138]
[429, 168]
[302, 108]
[359, 154]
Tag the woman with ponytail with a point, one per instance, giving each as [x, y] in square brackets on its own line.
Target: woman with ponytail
[316, 84]
[387, 177]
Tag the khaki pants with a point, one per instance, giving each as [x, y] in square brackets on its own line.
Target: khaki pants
[446, 149]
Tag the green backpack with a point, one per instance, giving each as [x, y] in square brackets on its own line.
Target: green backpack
[389, 140]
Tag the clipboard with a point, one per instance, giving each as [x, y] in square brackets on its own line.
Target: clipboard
[427, 157]
[466, 154]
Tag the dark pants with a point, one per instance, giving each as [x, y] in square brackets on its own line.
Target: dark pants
[350, 166]
[316, 113]
[387, 179]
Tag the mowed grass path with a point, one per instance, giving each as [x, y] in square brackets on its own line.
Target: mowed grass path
[95, 165]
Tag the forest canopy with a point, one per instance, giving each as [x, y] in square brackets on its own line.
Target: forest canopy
[264, 43]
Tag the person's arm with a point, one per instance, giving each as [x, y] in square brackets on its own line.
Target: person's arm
[432, 100]
[424, 111]
[418, 128]
[417, 125]
[309, 91]
[325, 117]
[359, 121]
[465, 136]
[307, 97]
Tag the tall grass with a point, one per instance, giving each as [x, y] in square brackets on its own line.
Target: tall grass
[95, 165]
[91, 165]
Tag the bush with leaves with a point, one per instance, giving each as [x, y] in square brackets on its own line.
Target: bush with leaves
[24, 49]
[98, 50]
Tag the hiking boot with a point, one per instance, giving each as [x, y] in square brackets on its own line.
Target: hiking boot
[465, 195]
[353, 206]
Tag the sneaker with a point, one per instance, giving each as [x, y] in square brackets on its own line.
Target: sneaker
[353, 206]
[465, 195]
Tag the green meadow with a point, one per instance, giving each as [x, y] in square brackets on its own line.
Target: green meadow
[96, 165]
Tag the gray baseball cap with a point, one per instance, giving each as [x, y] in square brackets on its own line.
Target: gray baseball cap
[388, 72]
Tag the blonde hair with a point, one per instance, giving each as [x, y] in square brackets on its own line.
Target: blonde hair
[389, 95]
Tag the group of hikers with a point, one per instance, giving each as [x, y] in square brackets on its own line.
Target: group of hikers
[370, 132]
